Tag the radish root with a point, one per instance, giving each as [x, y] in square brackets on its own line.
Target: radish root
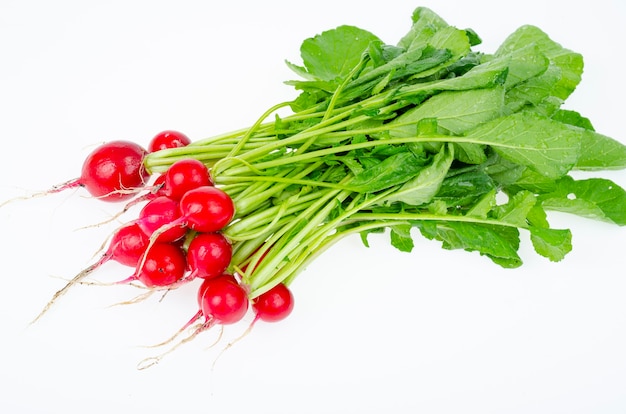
[153, 360]
[77, 279]
[234, 341]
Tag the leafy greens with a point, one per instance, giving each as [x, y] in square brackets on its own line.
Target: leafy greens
[469, 148]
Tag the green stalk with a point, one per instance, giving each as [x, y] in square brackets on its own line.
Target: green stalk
[412, 217]
[324, 242]
[317, 154]
[306, 243]
[248, 134]
[239, 229]
[303, 136]
[262, 191]
[278, 256]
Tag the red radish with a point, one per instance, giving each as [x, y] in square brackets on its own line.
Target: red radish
[160, 212]
[204, 209]
[204, 286]
[275, 304]
[185, 175]
[198, 315]
[163, 265]
[208, 255]
[205, 302]
[168, 139]
[112, 172]
[223, 300]
[207, 209]
[127, 247]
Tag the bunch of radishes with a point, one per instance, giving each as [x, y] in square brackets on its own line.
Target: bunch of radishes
[177, 235]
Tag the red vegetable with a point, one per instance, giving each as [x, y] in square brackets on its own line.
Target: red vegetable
[223, 300]
[206, 209]
[164, 264]
[128, 245]
[168, 139]
[275, 304]
[208, 255]
[159, 212]
[112, 172]
[185, 175]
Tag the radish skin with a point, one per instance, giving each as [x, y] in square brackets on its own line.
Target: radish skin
[127, 246]
[168, 139]
[112, 172]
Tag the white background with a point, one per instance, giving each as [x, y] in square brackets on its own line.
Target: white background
[374, 330]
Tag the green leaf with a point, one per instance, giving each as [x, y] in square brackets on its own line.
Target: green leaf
[463, 189]
[331, 55]
[459, 67]
[535, 92]
[486, 75]
[353, 165]
[503, 171]
[425, 24]
[437, 207]
[455, 111]
[499, 243]
[549, 147]
[380, 53]
[532, 181]
[599, 152]
[551, 243]
[469, 153]
[567, 116]
[414, 61]
[424, 126]
[473, 37]
[525, 63]
[594, 198]
[570, 63]
[537, 217]
[393, 170]
[401, 237]
[308, 98]
[516, 210]
[426, 183]
[454, 41]
[366, 233]
[484, 205]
